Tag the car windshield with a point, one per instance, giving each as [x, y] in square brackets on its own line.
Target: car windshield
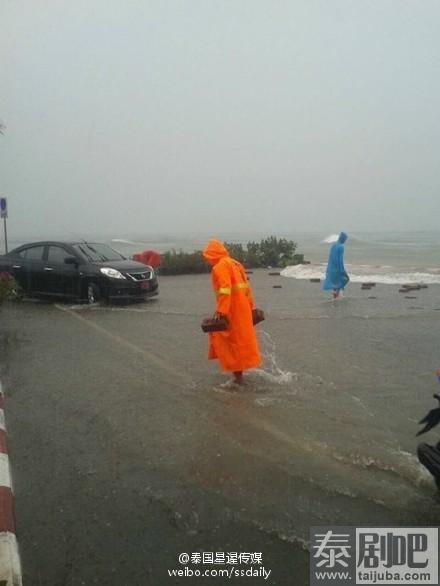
[98, 252]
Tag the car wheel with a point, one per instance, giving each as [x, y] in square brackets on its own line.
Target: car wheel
[93, 293]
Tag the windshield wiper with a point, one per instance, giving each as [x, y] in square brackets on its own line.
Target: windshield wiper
[86, 254]
[101, 256]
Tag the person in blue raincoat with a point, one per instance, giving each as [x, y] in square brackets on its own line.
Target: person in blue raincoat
[336, 277]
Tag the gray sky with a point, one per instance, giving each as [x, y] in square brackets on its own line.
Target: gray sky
[204, 115]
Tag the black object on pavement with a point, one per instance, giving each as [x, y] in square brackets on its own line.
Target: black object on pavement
[428, 455]
[431, 419]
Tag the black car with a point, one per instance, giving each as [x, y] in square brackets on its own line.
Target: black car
[81, 270]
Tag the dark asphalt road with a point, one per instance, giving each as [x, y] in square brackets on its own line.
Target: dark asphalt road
[105, 438]
[127, 450]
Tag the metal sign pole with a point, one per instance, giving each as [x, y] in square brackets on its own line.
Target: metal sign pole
[6, 235]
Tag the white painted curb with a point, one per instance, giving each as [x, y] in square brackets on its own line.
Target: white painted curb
[10, 566]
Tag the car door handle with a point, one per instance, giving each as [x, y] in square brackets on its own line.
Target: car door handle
[16, 266]
[48, 269]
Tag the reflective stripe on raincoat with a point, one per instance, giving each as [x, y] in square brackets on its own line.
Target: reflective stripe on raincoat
[237, 348]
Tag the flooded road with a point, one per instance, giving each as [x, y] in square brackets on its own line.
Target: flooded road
[128, 447]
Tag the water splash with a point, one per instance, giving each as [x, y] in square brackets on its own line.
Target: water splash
[229, 385]
[270, 371]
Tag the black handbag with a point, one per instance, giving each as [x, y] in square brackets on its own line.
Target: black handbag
[257, 316]
[215, 324]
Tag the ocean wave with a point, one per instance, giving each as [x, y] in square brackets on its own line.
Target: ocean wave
[122, 241]
[330, 239]
[361, 273]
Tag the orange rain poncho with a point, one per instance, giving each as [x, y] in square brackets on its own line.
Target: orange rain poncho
[236, 348]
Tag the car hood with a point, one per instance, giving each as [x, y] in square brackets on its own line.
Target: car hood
[124, 266]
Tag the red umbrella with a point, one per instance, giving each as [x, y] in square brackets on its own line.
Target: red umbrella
[148, 257]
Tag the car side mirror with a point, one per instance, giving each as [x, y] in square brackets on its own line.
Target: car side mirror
[71, 260]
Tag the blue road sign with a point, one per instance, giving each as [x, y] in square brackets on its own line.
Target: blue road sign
[3, 207]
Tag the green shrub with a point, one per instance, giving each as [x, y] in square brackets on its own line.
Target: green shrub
[269, 252]
[180, 263]
[8, 287]
[272, 251]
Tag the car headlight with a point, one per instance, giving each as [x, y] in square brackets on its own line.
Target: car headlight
[112, 273]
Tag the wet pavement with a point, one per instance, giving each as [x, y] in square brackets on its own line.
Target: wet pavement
[129, 449]
[113, 474]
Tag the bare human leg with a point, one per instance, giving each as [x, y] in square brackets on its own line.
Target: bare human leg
[238, 377]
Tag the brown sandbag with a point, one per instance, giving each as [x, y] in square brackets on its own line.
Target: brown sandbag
[412, 287]
[315, 280]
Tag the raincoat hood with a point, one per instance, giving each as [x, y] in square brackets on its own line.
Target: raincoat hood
[342, 237]
[214, 251]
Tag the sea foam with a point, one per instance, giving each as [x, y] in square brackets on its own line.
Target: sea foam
[330, 239]
[131, 242]
[359, 274]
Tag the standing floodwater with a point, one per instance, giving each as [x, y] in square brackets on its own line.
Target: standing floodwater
[329, 420]
[323, 432]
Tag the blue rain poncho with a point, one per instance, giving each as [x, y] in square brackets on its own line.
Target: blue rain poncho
[335, 276]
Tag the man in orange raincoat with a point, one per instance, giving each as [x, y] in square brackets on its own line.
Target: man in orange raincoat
[237, 347]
